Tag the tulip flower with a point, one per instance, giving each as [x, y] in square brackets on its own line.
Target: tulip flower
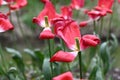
[93, 16]
[64, 76]
[5, 24]
[18, 4]
[69, 32]
[77, 4]
[66, 12]
[48, 11]
[104, 6]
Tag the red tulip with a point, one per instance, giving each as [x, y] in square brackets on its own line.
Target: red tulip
[48, 11]
[105, 5]
[62, 56]
[18, 4]
[89, 40]
[77, 4]
[64, 76]
[68, 30]
[46, 34]
[5, 23]
[66, 12]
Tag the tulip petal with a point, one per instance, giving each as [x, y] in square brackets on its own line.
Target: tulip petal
[68, 32]
[46, 34]
[64, 76]
[5, 23]
[62, 56]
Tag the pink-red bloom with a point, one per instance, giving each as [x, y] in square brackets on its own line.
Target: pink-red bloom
[46, 34]
[62, 56]
[104, 6]
[48, 11]
[5, 24]
[64, 76]
[69, 32]
[66, 12]
[18, 4]
[77, 4]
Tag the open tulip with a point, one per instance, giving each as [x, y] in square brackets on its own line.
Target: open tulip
[69, 32]
[48, 11]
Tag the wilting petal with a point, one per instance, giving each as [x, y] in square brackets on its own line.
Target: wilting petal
[68, 32]
[5, 23]
[48, 11]
[64, 76]
[89, 41]
[46, 34]
[77, 4]
[18, 4]
[62, 56]
[66, 12]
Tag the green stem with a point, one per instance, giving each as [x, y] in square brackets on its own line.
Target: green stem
[101, 26]
[94, 24]
[50, 55]
[80, 64]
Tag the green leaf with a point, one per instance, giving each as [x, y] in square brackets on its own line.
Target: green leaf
[31, 53]
[93, 74]
[92, 52]
[105, 56]
[114, 43]
[1, 70]
[17, 57]
[40, 58]
[14, 52]
[46, 69]
[12, 70]
[57, 68]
